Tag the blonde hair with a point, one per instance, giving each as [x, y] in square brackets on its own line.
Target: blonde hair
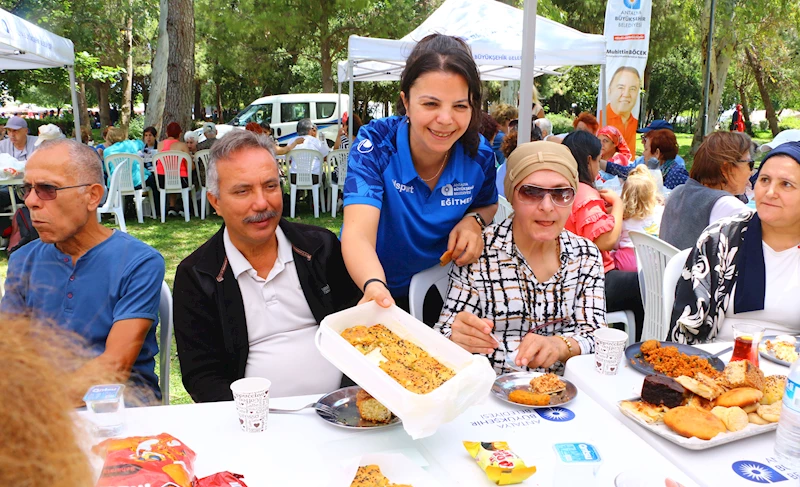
[40, 440]
[116, 134]
[639, 194]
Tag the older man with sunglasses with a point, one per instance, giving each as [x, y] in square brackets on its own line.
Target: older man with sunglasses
[100, 283]
[536, 295]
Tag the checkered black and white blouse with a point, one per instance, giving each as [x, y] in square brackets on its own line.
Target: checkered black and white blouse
[502, 287]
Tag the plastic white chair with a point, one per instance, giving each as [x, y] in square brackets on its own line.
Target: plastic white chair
[339, 159]
[303, 160]
[504, 209]
[652, 254]
[126, 186]
[165, 340]
[171, 161]
[671, 275]
[113, 202]
[201, 167]
[422, 281]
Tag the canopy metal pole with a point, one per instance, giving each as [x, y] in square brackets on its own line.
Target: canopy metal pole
[707, 81]
[339, 101]
[75, 108]
[601, 109]
[350, 103]
[526, 75]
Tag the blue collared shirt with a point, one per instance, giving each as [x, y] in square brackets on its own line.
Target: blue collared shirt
[118, 279]
[415, 222]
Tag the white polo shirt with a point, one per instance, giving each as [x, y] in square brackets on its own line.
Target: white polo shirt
[280, 326]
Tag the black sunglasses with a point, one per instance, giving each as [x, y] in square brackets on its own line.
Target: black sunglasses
[750, 162]
[530, 194]
[45, 192]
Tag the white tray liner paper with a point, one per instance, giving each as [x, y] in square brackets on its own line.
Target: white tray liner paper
[422, 414]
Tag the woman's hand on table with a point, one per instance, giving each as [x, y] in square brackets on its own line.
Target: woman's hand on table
[466, 241]
[473, 334]
[376, 291]
[541, 351]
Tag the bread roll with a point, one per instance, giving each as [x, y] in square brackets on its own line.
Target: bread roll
[688, 422]
[774, 386]
[771, 413]
[741, 397]
[756, 419]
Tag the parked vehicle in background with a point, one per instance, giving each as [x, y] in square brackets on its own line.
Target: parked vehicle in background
[283, 112]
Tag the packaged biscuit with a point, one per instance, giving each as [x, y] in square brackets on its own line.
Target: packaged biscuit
[160, 460]
[502, 466]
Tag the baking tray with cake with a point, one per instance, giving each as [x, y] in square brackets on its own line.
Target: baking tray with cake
[534, 389]
[702, 412]
[692, 358]
[781, 349]
[351, 405]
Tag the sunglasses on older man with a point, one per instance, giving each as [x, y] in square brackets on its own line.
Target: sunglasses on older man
[531, 195]
[45, 192]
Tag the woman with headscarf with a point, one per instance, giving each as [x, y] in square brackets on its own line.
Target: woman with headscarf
[537, 287]
[747, 267]
[660, 151]
[615, 149]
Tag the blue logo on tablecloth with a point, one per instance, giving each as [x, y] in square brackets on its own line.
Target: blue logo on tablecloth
[757, 472]
[556, 414]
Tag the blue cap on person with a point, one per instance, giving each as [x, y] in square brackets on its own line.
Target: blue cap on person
[656, 125]
[16, 123]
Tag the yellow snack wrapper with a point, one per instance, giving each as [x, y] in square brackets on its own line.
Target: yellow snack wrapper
[502, 466]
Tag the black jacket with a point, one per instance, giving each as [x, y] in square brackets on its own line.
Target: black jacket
[210, 324]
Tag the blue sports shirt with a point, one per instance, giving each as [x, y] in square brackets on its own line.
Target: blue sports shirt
[118, 279]
[415, 222]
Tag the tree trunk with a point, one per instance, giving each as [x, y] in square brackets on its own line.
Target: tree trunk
[158, 77]
[509, 92]
[743, 100]
[199, 110]
[722, 55]
[758, 73]
[180, 66]
[643, 117]
[102, 103]
[83, 108]
[220, 119]
[326, 60]
[127, 75]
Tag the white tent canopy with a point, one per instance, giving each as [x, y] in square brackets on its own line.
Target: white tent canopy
[24, 45]
[493, 31]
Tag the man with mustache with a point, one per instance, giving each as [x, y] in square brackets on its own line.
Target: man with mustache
[248, 302]
[623, 91]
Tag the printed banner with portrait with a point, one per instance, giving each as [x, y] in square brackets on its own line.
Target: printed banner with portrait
[627, 33]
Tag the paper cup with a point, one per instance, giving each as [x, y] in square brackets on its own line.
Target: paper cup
[609, 343]
[251, 396]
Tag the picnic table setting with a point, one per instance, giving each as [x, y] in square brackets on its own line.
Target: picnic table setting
[428, 413]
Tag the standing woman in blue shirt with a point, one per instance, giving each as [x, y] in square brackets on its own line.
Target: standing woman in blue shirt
[422, 183]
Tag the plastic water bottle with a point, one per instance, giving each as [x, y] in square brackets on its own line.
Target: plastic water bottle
[787, 438]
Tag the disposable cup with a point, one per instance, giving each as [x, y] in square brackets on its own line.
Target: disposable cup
[251, 396]
[609, 343]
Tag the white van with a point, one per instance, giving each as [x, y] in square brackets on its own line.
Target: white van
[282, 112]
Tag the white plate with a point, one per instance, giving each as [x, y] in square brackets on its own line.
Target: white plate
[693, 443]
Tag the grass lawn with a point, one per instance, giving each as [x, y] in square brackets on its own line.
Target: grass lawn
[176, 239]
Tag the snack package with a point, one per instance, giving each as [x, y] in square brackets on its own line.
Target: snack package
[502, 466]
[222, 479]
[157, 461]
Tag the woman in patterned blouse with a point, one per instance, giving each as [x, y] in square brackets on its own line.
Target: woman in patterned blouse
[537, 288]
